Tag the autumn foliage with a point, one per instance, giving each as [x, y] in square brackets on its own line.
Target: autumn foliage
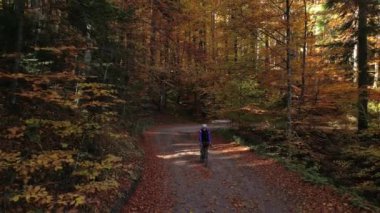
[59, 149]
[74, 74]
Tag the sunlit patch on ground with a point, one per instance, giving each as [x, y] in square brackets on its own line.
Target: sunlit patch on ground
[229, 148]
[178, 155]
[183, 145]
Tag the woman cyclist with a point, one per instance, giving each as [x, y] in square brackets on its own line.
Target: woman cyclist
[204, 141]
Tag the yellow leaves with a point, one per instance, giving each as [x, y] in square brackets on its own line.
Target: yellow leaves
[80, 200]
[111, 161]
[61, 128]
[38, 195]
[53, 160]
[97, 186]
[15, 198]
[97, 104]
[8, 160]
[91, 170]
[98, 95]
[98, 89]
[71, 199]
[33, 194]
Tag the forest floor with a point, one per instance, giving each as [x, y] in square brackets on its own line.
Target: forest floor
[236, 179]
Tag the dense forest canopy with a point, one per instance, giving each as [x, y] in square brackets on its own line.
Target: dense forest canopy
[70, 70]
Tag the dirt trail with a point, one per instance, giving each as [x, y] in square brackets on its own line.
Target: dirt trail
[236, 180]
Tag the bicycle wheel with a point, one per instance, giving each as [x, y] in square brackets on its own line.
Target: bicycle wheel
[202, 155]
[206, 157]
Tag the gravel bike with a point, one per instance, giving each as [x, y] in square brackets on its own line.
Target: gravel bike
[204, 155]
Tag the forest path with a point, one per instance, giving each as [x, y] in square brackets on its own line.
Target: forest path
[236, 180]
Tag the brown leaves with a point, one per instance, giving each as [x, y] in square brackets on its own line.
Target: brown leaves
[151, 194]
[15, 132]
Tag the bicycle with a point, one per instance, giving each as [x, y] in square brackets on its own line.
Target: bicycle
[204, 155]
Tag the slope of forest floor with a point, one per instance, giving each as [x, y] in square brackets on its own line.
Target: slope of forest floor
[342, 159]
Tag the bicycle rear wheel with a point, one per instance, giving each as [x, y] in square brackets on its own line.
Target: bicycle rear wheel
[206, 157]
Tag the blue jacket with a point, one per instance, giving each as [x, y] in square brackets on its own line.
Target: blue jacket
[200, 136]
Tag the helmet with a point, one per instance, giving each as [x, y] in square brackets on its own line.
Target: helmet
[204, 125]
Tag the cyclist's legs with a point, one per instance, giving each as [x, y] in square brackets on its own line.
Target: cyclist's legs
[205, 152]
[202, 152]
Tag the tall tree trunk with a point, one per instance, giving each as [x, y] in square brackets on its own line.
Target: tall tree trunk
[213, 28]
[153, 36]
[19, 9]
[289, 129]
[363, 67]
[304, 53]
[153, 47]
[255, 49]
[376, 77]
[226, 48]
[236, 50]
[355, 68]
[267, 52]
[235, 36]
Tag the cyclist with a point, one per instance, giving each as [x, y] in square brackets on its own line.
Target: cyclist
[204, 141]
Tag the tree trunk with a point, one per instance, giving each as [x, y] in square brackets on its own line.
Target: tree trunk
[376, 77]
[213, 27]
[289, 129]
[236, 49]
[363, 67]
[255, 49]
[153, 47]
[226, 48]
[304, 49]
[153, 36]
[19, 9]
[355, 68]
[267, 56]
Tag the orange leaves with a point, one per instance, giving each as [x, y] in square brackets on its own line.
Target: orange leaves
[60, 50]
[15, 133]
[375, 95]
[42, 79]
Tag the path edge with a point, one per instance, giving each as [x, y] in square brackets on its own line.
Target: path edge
[126, 194]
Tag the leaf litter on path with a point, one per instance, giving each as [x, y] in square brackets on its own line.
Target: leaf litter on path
[237, 181]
